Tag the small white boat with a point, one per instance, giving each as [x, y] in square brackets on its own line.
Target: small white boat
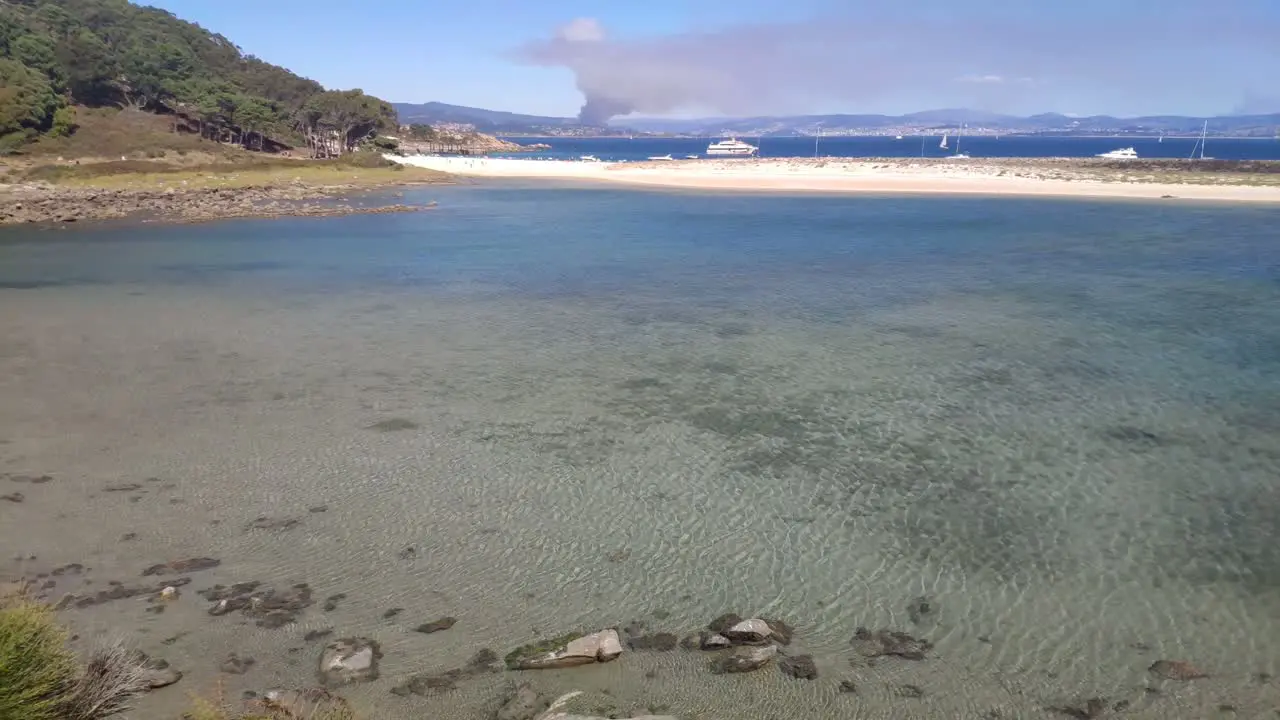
[661, 157]
[1120, 154]
[898, 137]
[732, 146]
[958, 156]
[589, 158]
[943, 144]
[692, 157]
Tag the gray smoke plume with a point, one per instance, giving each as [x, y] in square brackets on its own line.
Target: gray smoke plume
[1015, 60]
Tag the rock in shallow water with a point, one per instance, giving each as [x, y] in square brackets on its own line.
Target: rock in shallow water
[889, 642]
[750, 632]
[1176, 670]
[724, 622]
[566, 651]
[800, 667]
[309, 703]
[524, 704]
[443, 623]
[349, 660]
[744, 659]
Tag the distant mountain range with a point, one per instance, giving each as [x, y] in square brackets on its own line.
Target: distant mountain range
[494, 121]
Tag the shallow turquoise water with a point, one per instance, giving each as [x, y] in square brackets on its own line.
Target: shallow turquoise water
[1058, 419]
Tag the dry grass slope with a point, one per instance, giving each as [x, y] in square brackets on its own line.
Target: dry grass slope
[125, 149]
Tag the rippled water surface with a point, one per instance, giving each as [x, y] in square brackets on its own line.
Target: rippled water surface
[1057, 420]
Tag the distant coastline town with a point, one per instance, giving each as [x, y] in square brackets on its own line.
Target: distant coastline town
[460, 119]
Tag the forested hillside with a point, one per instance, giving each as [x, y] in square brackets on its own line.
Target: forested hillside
[112, 53]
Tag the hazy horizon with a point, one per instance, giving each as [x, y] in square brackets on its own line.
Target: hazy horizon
[770, 57]
[707, 118]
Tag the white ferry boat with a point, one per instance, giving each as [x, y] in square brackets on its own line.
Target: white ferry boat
[732, 146]
[1121, 154]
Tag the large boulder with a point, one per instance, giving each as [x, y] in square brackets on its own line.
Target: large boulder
[566, 651]
[350, 660]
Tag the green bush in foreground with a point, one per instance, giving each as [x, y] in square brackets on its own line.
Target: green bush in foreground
[37, 669]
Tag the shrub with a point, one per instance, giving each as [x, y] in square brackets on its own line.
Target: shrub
[36, 667]
[112, 677]
[64, 122]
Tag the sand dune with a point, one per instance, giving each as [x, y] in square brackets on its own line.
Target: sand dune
[1004, 176]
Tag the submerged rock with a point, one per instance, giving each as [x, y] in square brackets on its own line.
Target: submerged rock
[524, 704]
[744, 659]
[349, 660]
[443, 623]
[800, 667]
[566, 651]
[1176, 670]
[889, 642]
[155, 671]
[182, 566]
[308, 703]
[657, 641]
[922, 611]
[435, 683]
[724, 622]
[1082, 709]
[236, 665]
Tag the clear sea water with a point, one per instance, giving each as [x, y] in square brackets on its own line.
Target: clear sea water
[911, 146]
[1058, 420]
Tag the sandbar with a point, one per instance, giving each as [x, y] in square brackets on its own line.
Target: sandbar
[998, 176]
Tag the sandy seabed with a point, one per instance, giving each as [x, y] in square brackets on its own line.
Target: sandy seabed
[839, 175]
[1078, 493]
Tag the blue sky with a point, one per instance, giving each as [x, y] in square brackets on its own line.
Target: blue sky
[708, 57]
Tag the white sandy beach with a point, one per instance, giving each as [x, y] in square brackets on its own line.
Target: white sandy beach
[1005, 176]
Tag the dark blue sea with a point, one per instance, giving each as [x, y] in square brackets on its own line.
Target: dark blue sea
[1041, 435]
[616, 149]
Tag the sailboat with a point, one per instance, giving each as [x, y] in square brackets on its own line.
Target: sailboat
[1204, 131]
[959, 155]
[943, 144]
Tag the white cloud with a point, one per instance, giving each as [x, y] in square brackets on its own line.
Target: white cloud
[582, 30]
[982, 79]
[994, 80]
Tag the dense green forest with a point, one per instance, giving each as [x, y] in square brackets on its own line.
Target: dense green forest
[112, 53]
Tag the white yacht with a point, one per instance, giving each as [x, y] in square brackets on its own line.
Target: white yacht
[1121, 154]
[732, 146]
[589, 158]
[661, 157]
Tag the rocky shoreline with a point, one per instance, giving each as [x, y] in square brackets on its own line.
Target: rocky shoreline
[731, 644]
[38, 203]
